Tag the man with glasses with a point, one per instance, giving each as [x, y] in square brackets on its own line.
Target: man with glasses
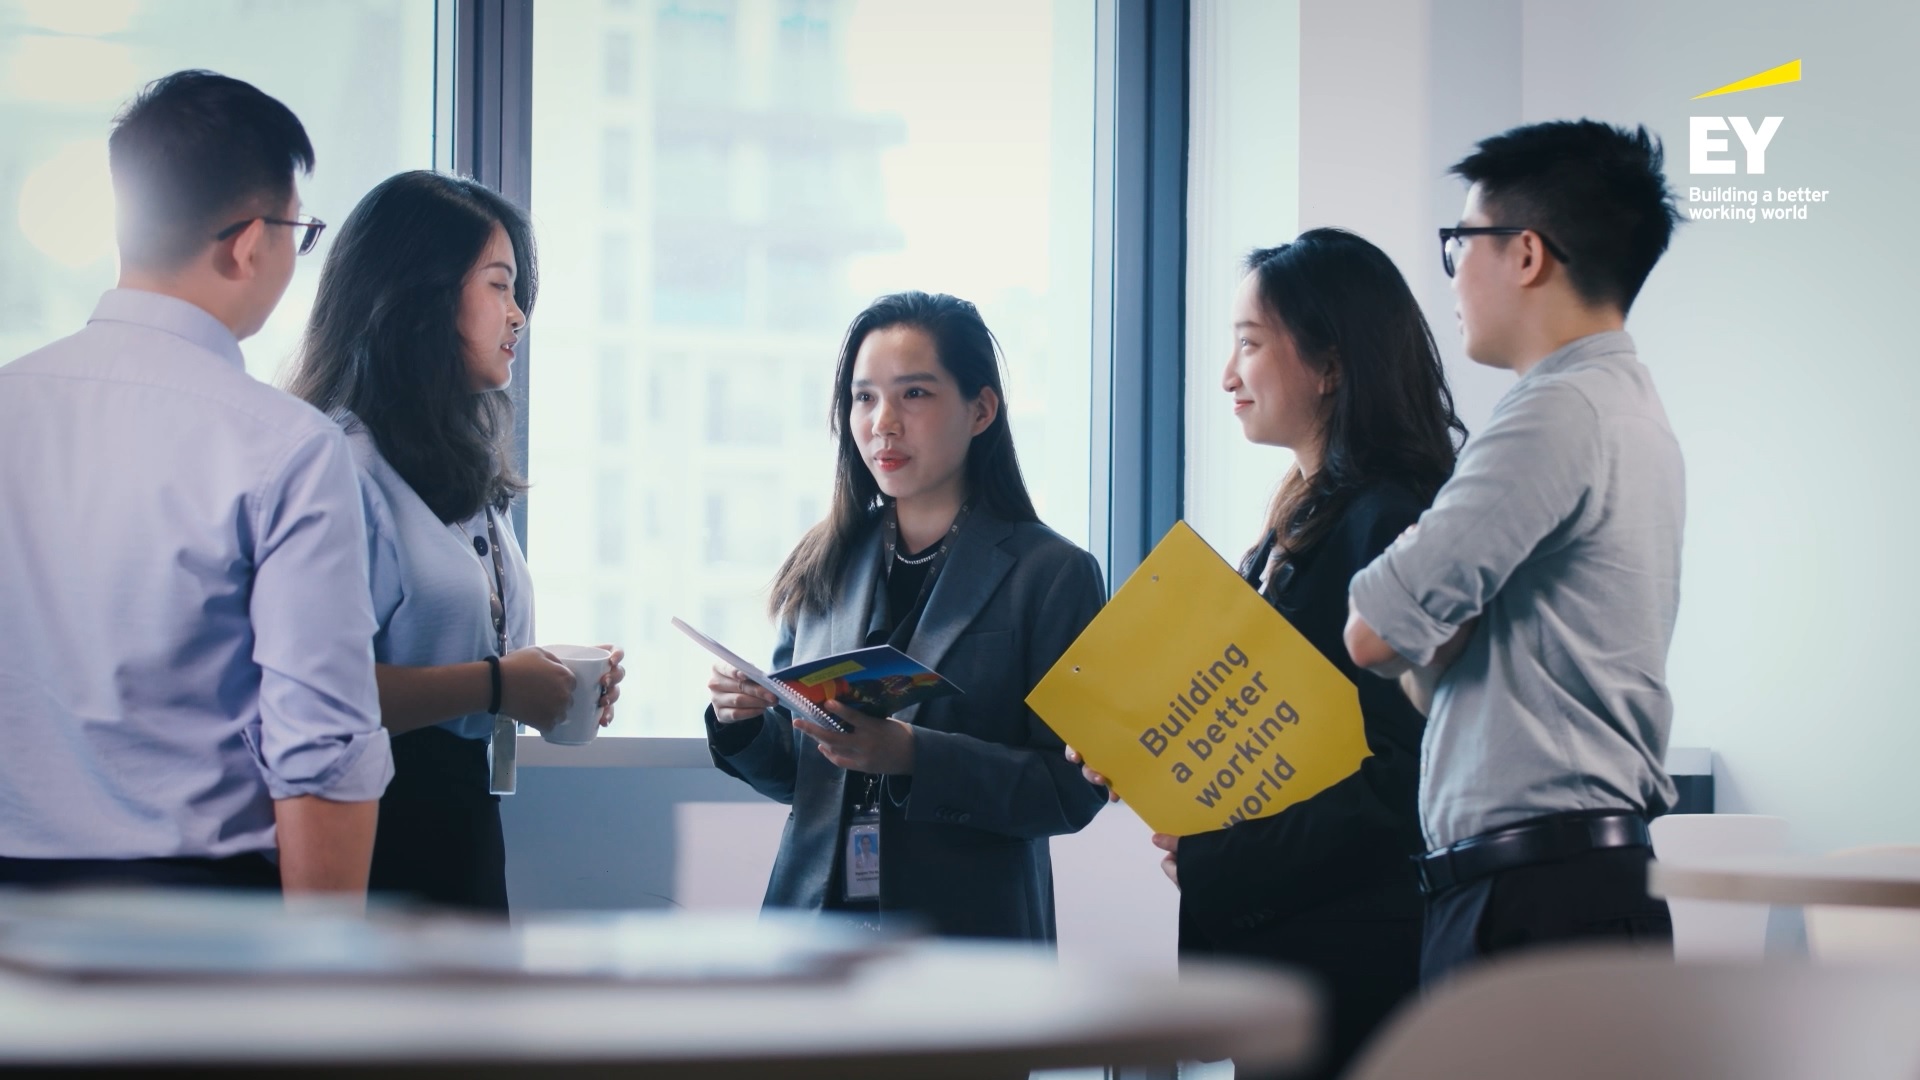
[1530, 610]
[186, 660]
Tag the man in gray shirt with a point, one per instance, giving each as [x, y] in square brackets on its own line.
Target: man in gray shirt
[1531, 609]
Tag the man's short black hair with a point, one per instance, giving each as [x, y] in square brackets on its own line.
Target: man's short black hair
[1597, 191]
[194, 153]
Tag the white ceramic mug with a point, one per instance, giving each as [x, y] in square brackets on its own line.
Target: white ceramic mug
[581, 722]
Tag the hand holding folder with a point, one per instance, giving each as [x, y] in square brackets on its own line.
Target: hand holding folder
[1197, 701]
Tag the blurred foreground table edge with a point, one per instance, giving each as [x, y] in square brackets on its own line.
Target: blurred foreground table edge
[935, 1009]
[1869, 881]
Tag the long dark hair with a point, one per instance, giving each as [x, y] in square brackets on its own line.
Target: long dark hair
[809, 579]
[384, 340]
[1349, 311]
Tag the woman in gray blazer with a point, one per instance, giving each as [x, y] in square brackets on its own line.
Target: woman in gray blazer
[933, 546]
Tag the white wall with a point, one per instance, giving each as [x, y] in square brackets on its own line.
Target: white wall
[1781, 350]
[1391, 93]
[1784, 356]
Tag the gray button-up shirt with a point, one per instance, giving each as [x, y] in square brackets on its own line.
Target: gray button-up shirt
[1561, 531]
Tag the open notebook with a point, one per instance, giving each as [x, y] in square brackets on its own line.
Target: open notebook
[879, 680]
[787, 695]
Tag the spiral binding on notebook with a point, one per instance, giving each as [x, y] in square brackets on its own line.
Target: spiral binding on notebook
[816, 714]
[793, 700]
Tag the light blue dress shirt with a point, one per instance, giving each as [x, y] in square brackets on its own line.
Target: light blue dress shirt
[185, 632]
[430, 583]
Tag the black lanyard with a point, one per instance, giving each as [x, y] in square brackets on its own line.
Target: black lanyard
[869, 801]
[502, 747]
[890, 529]
[496, 585]
[1279, 579]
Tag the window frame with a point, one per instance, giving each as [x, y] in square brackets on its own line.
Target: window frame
[483, 104]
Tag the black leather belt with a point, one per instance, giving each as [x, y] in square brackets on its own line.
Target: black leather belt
[1547, 839]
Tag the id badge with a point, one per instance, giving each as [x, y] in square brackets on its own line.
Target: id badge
[502, 757]
[863, 856]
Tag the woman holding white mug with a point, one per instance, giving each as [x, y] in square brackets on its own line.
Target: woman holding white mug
[420, 308]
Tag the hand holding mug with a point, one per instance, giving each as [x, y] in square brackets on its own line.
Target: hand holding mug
[610, 684]
[535, 687]
[593, 670]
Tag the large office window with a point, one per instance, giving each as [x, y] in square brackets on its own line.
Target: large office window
[1243, 192]
[788, 160]
[359, 73]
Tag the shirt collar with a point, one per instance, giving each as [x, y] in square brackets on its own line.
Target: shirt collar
[170, 315]
[1591, 347]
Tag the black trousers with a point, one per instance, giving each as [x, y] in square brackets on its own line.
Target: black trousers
[1365, 967]
[1594, 896]
[251, 871]
[440, 839]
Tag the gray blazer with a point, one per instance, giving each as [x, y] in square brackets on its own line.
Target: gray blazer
[966, 852]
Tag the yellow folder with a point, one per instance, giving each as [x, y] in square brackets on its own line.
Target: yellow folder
[1198, 701]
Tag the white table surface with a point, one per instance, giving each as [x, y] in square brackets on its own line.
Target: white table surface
[935, 1009]
[1881, 880]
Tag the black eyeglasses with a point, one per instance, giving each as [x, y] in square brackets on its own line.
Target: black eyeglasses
[1450, 239]
[309, 236]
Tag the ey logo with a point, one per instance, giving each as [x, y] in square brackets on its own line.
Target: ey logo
[1702, 146]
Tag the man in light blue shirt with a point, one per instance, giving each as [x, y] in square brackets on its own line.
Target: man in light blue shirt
[186, 664]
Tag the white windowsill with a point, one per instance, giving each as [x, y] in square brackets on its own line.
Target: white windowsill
[662, 752]
[1689, 761]
[617, 752]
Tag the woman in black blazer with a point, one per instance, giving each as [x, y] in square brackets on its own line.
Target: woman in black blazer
[1333, 360]
[933, 546]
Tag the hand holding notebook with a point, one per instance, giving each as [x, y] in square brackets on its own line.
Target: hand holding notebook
[880, 680]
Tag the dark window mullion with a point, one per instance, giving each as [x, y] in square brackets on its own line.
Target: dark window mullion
[492, 93]
[1147, 272]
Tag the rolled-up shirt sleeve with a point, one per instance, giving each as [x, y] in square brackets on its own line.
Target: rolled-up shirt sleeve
[1521, 483]
[313, 627]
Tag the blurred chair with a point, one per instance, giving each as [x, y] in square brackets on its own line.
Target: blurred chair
[1609, 1014]
[1848, 933]
[1717, 929]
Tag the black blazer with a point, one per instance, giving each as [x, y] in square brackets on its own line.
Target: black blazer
[1342, 855]
[967, 853]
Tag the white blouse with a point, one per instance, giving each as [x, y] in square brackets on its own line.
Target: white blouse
[430, 581]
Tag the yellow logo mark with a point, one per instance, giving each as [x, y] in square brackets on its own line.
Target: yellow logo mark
[1785, 73]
